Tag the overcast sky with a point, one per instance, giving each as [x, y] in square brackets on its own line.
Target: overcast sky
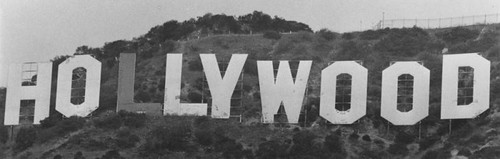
[38, 30]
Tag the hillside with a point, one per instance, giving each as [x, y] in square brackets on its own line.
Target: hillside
[107, 134]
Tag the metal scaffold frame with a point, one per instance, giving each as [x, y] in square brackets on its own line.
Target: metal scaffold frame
[236, 98]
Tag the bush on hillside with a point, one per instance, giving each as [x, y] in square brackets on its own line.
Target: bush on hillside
[229, 147]
[125, 139]
[112, 154]
[272, 149]
[70, 124]
[61, 128]
[110, 121]
[367, 138]
[50, 121]
[195, 65]
[407, 42]
[133, 120]
[57, 156]
[327, 34]
[303, 144]
[195, 97]
[116, 120]
[457, 35]
[404, 138]
[333, 143]
[174, 136]
[203, 131]
[350, 50]
[486, 41]
[204, 137]
[348, 36]
[272, 35]
[4, 134]
[78, 155]
[373, 34]
[25, 138]
[167, 47]
[142, 96]
[398, 149]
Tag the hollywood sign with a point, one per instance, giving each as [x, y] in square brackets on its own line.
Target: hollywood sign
[274, 90]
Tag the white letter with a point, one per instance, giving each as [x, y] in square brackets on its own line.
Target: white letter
[173, 104]
[356, 96]
[405, 84]
[66, 79]
[222, 88]
[284, 89]
[473, 87]
[38, 93]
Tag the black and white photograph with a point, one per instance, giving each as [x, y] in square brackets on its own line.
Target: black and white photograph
[249, 79]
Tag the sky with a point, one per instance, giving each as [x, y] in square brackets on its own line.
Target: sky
[39, 30]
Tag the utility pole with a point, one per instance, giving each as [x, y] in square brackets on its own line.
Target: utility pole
[383, 19]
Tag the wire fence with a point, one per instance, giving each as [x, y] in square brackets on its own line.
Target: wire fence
[439, 22]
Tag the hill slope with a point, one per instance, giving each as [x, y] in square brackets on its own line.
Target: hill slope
[132, 135]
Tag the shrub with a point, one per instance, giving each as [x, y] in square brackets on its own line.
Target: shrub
[222, 43]
[284, 46]
[142, 96]
[327, 34]
[487, 152]
[57, 157]
[134, 120]
[147, 54]
[367, 138]
[354, 136]
[485, 42]
[50, 121]
[112, 154]
[174, 137]
[303, 143]
[457, 35]
[204, 137]
[202, 122]
[168, 46]
[372, 34]
[427, 142]
[250, 67]
[229, 147]
[348, 36]
[464, 152]
[194, 97]
[78, 155]
[86, 142]
[430, 155]
[4, 134]
[195, 65]
[404, 138]
[379, 142]
[272, 35]
[398, 149]
[70, 124]
[407, 42]
[111, 121]
[61, 128]
[125, 139]
[333, 143]
[350, 50]
[25, 138]
[272, 149]
[302, 36]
